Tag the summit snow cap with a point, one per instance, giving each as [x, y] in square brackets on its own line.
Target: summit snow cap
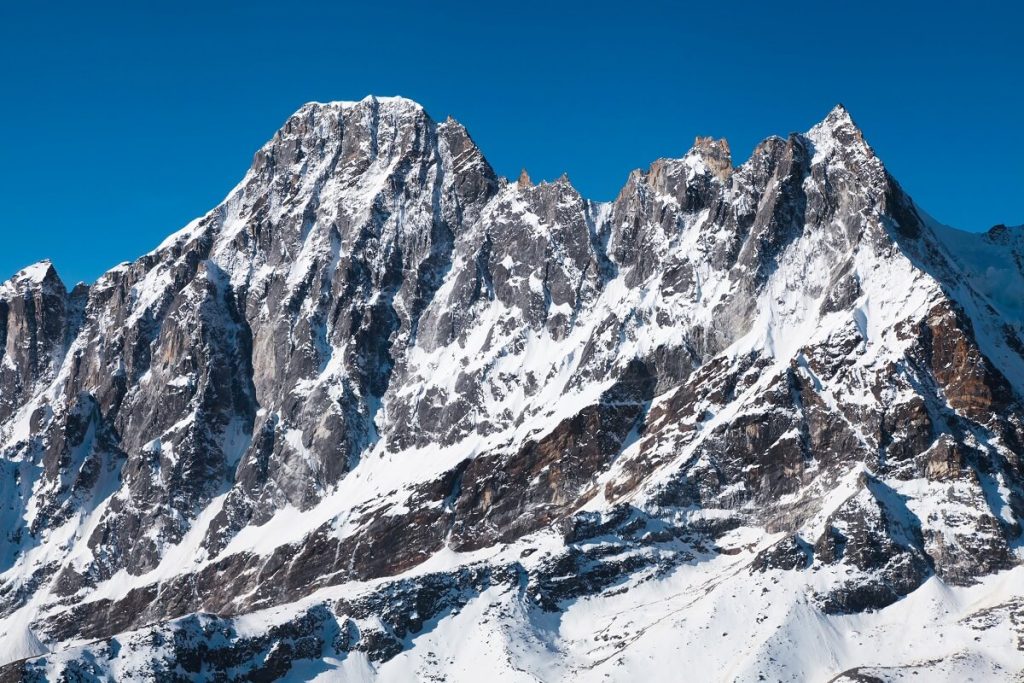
[35, 275]
[838, 130]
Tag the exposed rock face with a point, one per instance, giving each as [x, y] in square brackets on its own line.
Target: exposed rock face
[376, 357]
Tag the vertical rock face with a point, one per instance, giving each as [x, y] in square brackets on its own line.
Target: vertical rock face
[38, 318]
[377, 358]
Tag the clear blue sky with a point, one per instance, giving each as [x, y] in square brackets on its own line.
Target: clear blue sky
[123, 121]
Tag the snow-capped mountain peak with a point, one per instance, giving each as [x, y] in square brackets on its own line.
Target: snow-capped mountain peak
[383, 414]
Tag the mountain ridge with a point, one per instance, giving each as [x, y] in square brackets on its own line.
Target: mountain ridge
[839, 113]
[375, 357]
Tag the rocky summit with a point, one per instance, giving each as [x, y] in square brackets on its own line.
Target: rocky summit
[385, 415]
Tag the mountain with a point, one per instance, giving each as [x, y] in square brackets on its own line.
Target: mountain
[384, 415]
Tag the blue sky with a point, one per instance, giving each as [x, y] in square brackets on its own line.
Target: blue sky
[123, 121]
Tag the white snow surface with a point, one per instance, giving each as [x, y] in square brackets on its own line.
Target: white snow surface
[712, 617]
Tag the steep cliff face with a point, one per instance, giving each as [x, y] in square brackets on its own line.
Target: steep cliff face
[381, 399]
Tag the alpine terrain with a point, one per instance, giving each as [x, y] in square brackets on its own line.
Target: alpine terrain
[384, 415]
